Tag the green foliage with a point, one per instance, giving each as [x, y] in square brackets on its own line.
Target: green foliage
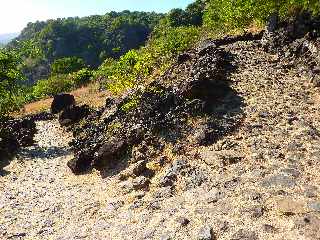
[171, 41]
[136, 65]
[192, 16]
[122, 74]
[237, 14]
[67, 65]
[81, 77]
[54, 85]
[131, 104]
[10, 76]
[60, 83]
[92, 39]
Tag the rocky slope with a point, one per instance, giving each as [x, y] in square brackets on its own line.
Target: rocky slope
[224, 146]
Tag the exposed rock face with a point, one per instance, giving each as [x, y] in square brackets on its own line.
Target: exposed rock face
[73, 114]
[62, 102]
[297, 42]
[167, 103]
[15, 133]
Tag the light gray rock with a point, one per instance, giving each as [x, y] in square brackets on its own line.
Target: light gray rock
[205, 233]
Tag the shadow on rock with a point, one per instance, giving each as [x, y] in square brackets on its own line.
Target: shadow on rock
[191, 104]
[14, 134]
[43, 152]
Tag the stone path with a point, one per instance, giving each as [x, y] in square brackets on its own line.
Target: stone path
[262, 182]
[40, 198]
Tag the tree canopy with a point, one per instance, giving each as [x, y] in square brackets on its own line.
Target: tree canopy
[92, 39]
[10, 76]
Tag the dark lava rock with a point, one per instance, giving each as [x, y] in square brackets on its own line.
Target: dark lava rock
[257, 212]
[42, 116]
[73, 114]
[183, 221]
[140, 183]
[149, 117]
[171, 174]
[110, 152]
[298, 41]
[15, 133]
[183, 57]
[81, 163]
[61, 102]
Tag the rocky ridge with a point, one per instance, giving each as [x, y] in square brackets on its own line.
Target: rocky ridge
[237, 162]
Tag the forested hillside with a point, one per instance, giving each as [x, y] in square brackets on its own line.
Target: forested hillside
[92, 39]
[121, 51]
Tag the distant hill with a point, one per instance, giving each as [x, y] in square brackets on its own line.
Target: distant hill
[92, 38]
[7, 37]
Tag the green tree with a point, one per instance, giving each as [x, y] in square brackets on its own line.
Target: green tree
[67, 65]
[10, 76]
[237, 14]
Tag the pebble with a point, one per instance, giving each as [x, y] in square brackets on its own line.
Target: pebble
[205, 233]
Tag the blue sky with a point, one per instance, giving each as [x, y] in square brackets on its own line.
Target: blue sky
[15, 14]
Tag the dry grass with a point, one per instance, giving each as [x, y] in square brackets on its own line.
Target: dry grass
[89, 95]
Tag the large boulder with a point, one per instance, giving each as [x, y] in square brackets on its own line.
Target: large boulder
[73, 114]
[110, 153]
[15, 133]
[151, 116]
[61, 102]
[81, 163]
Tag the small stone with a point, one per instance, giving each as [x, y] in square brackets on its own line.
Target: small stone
[315, 206]
[244, 235]
[269, 228]
[115, 205]
[140, 183]
[183, 221]
[214, 195]
[223, 226]
[206, 233]
[279, 181]
[165, 237]
[291, 172]
[170, 176]
[126, 186]
[139, 195]
[257, 212]
[133, 170]
[288, 206]
[164, 192]
[311, 192]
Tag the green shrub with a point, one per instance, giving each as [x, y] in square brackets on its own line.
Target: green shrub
[130, 105]
[67, 65]
[10, 77]
[136, 66]
[81, 77]
[237, 14]
[54, 85]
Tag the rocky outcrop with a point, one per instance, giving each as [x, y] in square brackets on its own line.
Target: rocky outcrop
[15, 133]
[297, 43]
[73, 114]
[61, 102]
[192, 88]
